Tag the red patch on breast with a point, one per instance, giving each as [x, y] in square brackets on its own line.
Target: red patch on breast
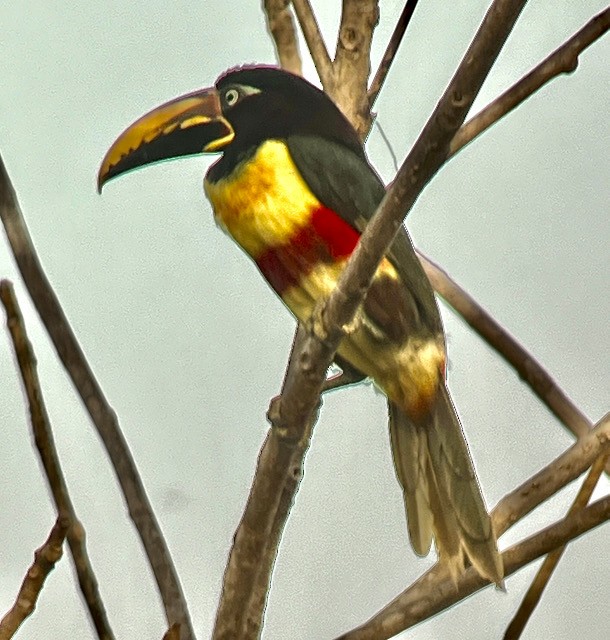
[325, 239]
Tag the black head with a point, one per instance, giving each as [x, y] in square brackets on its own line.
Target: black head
[263, 103]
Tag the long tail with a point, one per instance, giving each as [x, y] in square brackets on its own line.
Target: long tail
[441, 492]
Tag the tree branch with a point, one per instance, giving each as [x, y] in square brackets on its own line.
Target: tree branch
[544, 573]
[352, 65]
[562, 60]
[436, 590]
[565, 468]
[315, 41]
[500, 339]
[315, 344]
[43, 437]
[246, 579]
[45, 559]
[280, 25]
[102, 415]
[390, 52]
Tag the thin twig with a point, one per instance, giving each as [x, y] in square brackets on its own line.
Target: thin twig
[45, 559]
[388, 144]
[315, 345]
[102, 414]
[543, 575]
[500, 339]
[315, 41]
[436, 590]
[541, 486]
[562, 60]
[45, 444]
[390, 52]
[280, 24]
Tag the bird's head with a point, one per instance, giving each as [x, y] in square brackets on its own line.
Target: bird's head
[247, 106]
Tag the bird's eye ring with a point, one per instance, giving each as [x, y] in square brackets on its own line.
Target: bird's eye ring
[231, 96]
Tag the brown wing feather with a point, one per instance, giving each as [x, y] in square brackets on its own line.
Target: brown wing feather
[391, 307]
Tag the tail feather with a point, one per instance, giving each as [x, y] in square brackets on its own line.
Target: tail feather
[410, 461]
[446, 527]
[442, 495]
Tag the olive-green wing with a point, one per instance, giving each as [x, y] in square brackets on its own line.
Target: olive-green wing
[346, 183]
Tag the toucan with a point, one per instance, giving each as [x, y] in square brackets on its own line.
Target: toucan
[294, 188]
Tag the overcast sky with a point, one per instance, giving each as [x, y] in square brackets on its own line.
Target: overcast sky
[189, 344]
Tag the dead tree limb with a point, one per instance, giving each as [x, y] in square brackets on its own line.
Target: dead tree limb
[45, 444]
[102, 415]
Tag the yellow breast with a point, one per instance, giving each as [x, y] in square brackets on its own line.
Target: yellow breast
[265, 201]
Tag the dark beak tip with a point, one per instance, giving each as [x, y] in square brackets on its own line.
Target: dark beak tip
[99, 183]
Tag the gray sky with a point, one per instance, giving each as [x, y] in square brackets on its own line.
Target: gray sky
[189, 344]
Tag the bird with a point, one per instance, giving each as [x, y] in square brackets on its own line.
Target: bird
[293, 187]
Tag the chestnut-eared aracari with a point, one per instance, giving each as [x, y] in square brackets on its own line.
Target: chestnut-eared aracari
[293, 187]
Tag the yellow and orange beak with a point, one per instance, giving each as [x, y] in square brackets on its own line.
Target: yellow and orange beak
[188, 125]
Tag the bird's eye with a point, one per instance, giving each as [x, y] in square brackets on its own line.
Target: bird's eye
[231, 96]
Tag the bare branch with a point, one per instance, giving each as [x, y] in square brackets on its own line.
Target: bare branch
[544, 573]
[315, 41]
[539, 380]
[352, 65]
[528, 368]
[45, 559]
[280, 24]
[390, 52]
[562, 60]
[102, 415]
[247, 619]
[43, 437]
[314, 347]
[435, 590]
[556, 535]
[425, 159]
[246, 579]
[565, 468]
[260, 592]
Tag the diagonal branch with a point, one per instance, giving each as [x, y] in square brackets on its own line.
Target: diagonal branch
[562, 60]
[251, 560]
[500, 339]
[435, 590]
[315, 344]
[390, 52]
[280, 25]
[539, 380]
[423, 162]
[563, 470]
[45, 560]
[43, 437]
[100, 411]
[545, 572]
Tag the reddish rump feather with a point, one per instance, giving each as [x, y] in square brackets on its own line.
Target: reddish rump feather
[326, 238]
